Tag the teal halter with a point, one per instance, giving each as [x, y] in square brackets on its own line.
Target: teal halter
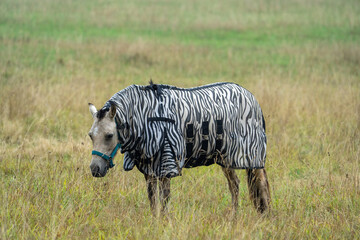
[106, 157]
[113, 153]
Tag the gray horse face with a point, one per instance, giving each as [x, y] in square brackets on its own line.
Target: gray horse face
[104, 138]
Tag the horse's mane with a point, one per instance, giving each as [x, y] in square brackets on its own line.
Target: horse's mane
[101, 113]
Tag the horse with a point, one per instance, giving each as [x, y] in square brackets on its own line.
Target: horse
[162, 129]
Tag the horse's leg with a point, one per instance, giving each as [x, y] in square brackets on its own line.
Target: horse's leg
[151, 184]
[233, 183]
[164, 187]
[259, 189]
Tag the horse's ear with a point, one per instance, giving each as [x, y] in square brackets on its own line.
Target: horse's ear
[112, 112]
[92, 109]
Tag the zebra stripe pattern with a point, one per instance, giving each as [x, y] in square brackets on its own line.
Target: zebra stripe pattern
[164, 129]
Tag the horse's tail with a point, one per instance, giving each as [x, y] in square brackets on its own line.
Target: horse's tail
[259, 189]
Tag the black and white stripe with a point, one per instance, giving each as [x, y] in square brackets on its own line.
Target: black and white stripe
[165, 128]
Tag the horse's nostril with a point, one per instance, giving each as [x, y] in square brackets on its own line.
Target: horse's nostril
[95, 171]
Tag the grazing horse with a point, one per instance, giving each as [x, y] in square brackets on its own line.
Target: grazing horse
[162, 129]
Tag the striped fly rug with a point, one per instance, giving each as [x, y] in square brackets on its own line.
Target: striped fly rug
[163, 129]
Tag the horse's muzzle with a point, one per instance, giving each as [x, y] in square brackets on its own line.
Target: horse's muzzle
[96, 171]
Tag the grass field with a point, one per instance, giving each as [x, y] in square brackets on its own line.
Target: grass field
[301, 59]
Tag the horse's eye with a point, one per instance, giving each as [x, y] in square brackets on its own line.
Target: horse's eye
[109, 136]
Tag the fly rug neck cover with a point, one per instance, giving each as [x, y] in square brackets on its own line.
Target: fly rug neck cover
[164, 129]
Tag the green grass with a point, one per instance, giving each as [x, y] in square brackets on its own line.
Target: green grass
[300, 59]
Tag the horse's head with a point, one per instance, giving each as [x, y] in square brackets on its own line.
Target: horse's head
[104, 136]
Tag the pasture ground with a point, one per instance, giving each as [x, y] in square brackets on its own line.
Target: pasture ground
[301, 59]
